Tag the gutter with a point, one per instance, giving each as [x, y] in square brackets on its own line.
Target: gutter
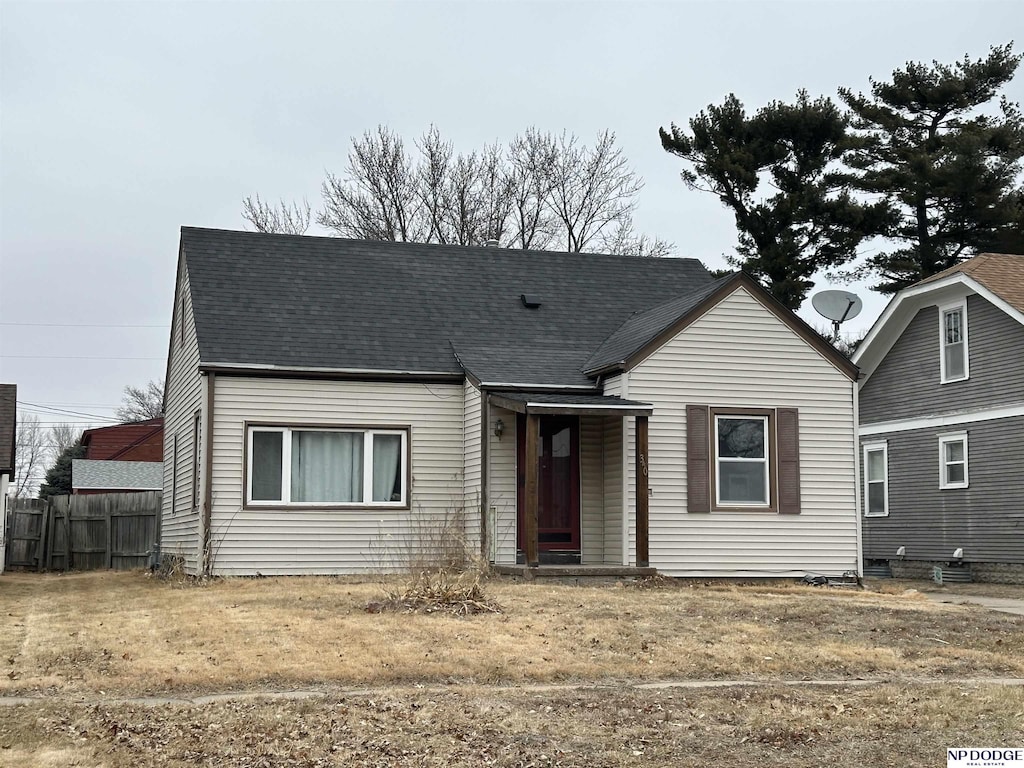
[340, 374]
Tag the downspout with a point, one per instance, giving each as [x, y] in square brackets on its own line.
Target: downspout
[858, 501]
[211, 381]
[485, 507]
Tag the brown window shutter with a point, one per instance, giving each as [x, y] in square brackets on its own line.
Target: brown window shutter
[698, 469]
[788, 436]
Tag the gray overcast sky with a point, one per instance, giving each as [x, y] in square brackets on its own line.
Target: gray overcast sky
[121, 122]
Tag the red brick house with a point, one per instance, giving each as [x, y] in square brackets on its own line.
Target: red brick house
[138, 441]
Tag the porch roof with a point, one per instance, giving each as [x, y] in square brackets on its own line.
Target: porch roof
[568, 403]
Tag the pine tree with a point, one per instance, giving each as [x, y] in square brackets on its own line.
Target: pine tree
[808, 221]
[58, 477]
[948, 167]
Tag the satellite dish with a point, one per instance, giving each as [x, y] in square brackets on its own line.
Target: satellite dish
[837, 306]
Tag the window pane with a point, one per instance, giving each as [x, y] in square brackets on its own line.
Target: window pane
[327, 466]
[954, 451]
[954, 331]
[741, 482]
[266, 466]
[876, 498]
[741, 438]
[387, 467]
[954, 473]
[876, 465]
[954, 361]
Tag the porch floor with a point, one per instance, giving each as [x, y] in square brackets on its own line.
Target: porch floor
[574, 573]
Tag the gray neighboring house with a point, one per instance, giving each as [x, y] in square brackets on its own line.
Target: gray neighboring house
[334, 405]
[942, 424]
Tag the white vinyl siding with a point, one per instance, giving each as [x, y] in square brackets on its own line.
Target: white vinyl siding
[181, 533]
[614, 478]
[953, 461]
[876, 480]
[592, 489]
[954, 362]
[501, 487]
[281, 540]
[740, 355]
[471, 475]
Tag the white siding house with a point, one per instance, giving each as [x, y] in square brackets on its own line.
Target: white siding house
[723, 355]
[612, 414]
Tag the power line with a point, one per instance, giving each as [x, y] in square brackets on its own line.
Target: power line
[70, 357]
[81, 325]
[61, 410]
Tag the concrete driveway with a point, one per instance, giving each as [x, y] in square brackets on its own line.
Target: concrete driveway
[1003, 604]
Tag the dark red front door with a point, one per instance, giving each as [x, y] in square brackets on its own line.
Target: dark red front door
[558, 482]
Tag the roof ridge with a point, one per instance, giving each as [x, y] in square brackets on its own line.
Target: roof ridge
[428, 246]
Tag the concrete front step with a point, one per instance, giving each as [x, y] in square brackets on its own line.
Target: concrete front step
[577, 574]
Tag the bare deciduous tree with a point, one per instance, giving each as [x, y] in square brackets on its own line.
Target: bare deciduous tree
[282, 217]
[62, 437]
[540, 192]
[30, 456]
[142, 403]
[530, 158]
[591, 189]
[623, 240]
[379, 198]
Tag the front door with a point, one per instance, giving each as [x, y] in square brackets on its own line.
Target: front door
[558, 483]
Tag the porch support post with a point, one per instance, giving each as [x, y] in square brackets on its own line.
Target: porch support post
[642, 495]
[531, 490]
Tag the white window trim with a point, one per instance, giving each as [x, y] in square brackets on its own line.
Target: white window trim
[286, 463]
[866, 448]
[943, 309]
[952, 437]
[733, 460]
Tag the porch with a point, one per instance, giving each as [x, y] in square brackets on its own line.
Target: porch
[560, 489]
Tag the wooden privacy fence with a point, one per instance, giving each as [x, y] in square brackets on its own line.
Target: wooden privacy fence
[88, 532]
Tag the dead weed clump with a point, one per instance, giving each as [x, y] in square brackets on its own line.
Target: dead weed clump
[442, 590]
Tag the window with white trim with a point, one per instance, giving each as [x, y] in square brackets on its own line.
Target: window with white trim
[327, 466]
[876, 479]
[742, 476]
[953, 361]
[953, 461]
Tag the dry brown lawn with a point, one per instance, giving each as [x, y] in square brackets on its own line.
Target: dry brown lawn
[129, 633]
[443, 690]
[479, 726]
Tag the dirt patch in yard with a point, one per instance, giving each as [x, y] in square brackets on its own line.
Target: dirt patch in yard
[474, 726]
[127, 633]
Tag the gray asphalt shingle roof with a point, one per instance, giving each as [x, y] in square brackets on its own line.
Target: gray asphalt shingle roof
[322, 302]
[644, 326]
[93, 474]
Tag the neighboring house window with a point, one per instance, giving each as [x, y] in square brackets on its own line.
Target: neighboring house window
[953, 460]
[317, 466]
[953, 330]
[876, 480]
[742, 476]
